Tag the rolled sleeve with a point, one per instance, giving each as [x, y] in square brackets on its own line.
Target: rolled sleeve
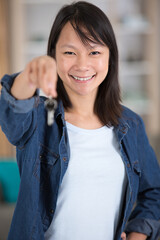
[149, 227]
[18, 106]
[18, 118]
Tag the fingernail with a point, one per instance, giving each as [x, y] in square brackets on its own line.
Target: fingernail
[55, 93]
[31, 84]
[50, 85]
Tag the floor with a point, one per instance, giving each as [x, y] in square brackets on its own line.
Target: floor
[6, 213]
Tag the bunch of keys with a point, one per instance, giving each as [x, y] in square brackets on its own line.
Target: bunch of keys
[50, 105]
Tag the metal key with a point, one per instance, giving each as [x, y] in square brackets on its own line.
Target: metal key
[50, 105]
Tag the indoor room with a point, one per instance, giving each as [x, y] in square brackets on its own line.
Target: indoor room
[24, 31]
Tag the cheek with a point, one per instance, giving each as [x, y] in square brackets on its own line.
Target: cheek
[63, 66]
[102, 66]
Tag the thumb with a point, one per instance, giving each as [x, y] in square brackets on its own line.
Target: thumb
[123, 236]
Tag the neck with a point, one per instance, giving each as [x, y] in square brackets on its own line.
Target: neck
[83, 106]
[82, 113]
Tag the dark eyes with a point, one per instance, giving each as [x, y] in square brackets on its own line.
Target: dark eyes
[92, 53]
[69, 53]
[95, 53]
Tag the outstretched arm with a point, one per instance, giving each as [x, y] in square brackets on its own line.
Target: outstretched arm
[18, 100]
[39, 73]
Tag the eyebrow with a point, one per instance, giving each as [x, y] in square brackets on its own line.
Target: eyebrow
[68, 46]
[73, 47]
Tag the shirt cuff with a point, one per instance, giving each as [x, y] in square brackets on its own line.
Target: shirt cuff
[149, 227]
[18, 106]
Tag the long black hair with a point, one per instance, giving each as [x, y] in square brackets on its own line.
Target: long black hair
[86, 16]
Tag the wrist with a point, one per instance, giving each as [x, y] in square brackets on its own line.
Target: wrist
[136, 236]
[21, 89]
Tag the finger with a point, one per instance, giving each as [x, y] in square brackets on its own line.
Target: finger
[41, 70]
[49, 83]
[31, 73]
[52, 82]
[123, 236]
[28, 72]
[34, 73]
[43, 84]
[42, 74]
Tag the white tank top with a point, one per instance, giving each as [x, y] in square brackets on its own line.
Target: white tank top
[92, 190]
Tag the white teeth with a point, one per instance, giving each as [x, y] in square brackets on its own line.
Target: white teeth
[82, 79]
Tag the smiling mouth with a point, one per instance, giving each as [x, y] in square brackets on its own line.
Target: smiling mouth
[82, 78]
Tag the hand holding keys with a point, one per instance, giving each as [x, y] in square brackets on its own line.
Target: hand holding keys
[50, 105]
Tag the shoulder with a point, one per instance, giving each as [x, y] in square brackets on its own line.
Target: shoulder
[130, 117]
[134, 125]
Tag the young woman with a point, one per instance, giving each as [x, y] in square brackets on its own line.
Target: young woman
[81, 176]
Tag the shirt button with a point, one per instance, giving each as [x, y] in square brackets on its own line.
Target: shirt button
[52, 211]
[128, 165]
[64, 159]
[123, 130]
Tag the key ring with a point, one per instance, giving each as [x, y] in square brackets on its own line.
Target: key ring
[50, 105]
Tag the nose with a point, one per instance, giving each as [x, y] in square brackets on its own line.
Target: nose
[82, 63]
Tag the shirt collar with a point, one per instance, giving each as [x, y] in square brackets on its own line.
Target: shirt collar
[60, 111]
[123, 126]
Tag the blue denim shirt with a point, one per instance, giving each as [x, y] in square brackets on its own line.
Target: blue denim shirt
[43, 155]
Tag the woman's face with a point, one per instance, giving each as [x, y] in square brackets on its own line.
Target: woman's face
[82, 68]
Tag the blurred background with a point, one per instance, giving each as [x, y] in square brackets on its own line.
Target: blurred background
[24, 30]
